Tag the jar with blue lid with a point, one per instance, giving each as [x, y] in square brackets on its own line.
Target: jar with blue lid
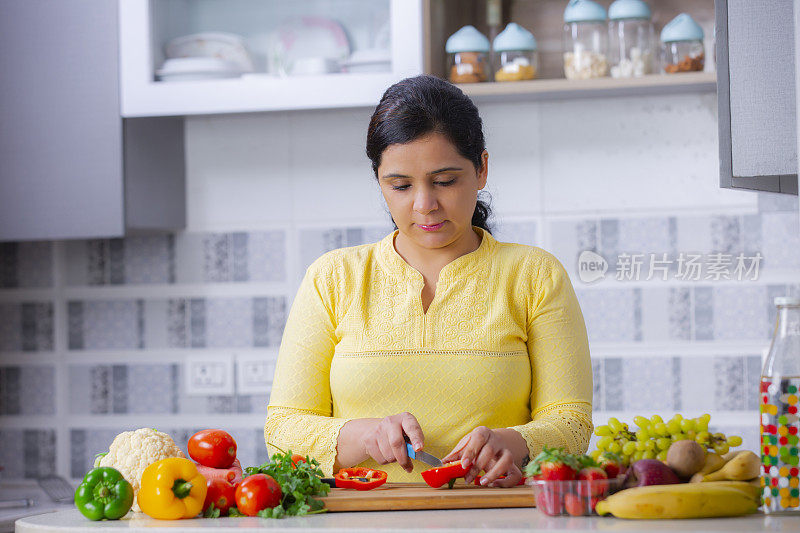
[515, 48]
[585, 39]
[631, 39]
[682, 47]
[467, 56]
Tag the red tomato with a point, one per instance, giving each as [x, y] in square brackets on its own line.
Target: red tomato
[221, 493]
[297, 458]
[257, 492]
[213, 447]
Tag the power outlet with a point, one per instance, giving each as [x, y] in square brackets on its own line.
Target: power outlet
[254, 373]
[209, 375]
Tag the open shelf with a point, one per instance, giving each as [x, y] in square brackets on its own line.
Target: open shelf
[554, 89]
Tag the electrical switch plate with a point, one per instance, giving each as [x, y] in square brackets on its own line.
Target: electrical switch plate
[254, 373]
[208, 375]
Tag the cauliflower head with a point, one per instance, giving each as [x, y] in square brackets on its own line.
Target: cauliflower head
[133, 451]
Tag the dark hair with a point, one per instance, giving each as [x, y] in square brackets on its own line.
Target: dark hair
[415, 107]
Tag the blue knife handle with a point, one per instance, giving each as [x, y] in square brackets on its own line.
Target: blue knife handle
[411, 453]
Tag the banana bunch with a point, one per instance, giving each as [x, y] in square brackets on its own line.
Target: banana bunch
[683, 500]
[742, 465]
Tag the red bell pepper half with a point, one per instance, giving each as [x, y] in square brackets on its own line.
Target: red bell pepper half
[359, 478]
[438, 476]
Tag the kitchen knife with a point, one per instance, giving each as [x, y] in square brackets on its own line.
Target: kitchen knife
[422, 456]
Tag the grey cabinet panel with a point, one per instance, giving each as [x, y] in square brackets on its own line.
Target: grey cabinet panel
[756, 94]
[70, 167]
[60, 132]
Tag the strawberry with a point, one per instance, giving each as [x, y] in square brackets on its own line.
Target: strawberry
[611, 463]
[552, 464]
[592, 477]
[594, 501]
[574, 504]
[549, 501]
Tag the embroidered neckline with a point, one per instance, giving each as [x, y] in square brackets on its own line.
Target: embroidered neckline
[464, 265]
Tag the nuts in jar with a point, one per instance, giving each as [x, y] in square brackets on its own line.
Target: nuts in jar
[468, 67]
[687, 64]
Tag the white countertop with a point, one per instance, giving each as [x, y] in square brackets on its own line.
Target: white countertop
[510, 520]
[19, 490]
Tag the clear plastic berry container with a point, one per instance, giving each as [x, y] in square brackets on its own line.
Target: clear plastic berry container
[572, 498]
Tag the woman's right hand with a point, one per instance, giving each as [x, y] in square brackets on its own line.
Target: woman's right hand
[385, 441]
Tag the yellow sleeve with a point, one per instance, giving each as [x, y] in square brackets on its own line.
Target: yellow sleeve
[299, 415]
[561, 371]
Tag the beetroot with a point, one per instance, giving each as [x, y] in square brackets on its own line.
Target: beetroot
[649, 472]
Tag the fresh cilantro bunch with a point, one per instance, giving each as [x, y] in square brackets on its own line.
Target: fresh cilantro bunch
[299, 483]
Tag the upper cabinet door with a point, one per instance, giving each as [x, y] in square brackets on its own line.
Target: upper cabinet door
[61, 136]
[263, 55]
[756, 95]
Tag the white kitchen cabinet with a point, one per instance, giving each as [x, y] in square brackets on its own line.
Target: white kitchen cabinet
[756, 95]
[146, 26]
[70, 166]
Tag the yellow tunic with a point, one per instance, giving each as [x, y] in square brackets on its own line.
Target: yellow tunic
[503, 344]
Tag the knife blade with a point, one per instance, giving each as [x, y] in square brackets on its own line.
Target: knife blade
[422, 456]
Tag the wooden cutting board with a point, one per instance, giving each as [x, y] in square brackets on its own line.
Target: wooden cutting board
[406, 496]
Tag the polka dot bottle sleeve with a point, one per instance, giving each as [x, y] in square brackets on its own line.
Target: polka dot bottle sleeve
[780, 421]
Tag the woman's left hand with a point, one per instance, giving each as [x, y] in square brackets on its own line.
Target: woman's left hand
[489, 450]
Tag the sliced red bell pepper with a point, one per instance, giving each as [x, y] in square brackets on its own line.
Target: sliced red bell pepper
[359, 478]
[438, 476]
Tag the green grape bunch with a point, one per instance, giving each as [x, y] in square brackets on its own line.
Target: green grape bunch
[654, 436]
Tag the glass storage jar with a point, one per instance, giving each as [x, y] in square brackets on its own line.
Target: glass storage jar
[467, 56]
[585, 40]
[515, 48]
[630, 39]
[682, 47]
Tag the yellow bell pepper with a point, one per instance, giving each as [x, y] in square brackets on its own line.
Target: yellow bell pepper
[171, 489]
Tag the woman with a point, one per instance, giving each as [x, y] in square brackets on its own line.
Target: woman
[438, 334]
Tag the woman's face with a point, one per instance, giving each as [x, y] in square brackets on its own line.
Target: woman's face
[431, 190]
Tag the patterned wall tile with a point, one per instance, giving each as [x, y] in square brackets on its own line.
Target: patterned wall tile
[106, 324]
[10, 327]
[613, 385]
[740, 312]
[85, 444]
[725, 234]
[27, 453]
[229, 322]
[26, 264]
[266, 258]
[598, 380]
[771, 202]
[35, 267]
[649, 384]
[611, 314]
[315, 242]
[703, 313]
[568, 238]
[780, 233]
[26, 326]
[149, 259]
[518, 232]
[34, 388]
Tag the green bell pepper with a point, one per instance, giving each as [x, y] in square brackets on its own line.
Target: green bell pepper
[104, 494]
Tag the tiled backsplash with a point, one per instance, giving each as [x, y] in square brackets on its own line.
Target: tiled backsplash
[98, 336]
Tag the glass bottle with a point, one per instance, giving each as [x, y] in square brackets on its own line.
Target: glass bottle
[780, 421]
[630, 39]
